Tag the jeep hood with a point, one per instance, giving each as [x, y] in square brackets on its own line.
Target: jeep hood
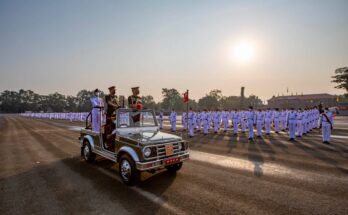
[151, 137]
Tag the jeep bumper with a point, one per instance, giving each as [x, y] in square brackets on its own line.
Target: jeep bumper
[159, 164]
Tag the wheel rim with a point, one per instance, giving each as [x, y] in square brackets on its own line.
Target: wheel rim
[126, 170]
[86, 152]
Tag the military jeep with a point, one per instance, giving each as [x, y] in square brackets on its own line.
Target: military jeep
[137, 145]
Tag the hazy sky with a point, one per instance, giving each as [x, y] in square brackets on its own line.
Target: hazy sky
[66, 46]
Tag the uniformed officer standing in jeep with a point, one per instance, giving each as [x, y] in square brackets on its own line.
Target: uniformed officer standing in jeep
[134, 101]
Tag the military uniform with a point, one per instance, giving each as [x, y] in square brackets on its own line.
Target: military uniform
[236, 120]
[191, 123]
[260, 120]
[97, 105]
[326, 124]
[160, 119]
[292, 117]
[251, 118]
[172, 119]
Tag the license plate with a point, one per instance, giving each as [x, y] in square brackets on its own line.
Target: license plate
[171, 161]
[169, 149]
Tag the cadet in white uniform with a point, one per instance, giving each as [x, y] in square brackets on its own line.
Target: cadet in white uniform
[172, 119]
[292, 117]
[199, 121]
[260, 120]
[191, 123]
[205, 121]
[243, 121]
[184, 121]
[276, 120]
[268, 121]
[161, 120]
[225, 116]
[251, 117]
[97, 105]
[283, 119]
[326, 125]
[236, 121]
[216, 117]
[300, 123]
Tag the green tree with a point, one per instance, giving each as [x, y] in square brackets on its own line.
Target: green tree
[254, 101]
[341, 79]
[83, 100]
[71, 104]
[172, 99]
[148, 102]
[56, 102]
[230, 102]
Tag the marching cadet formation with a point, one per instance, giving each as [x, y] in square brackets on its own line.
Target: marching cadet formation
[296, 122]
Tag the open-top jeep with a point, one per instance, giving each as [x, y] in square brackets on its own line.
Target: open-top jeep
[137, 145]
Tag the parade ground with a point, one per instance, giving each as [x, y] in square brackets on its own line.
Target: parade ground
[42, 173]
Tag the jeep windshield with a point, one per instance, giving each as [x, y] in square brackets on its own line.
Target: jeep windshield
[132, 118]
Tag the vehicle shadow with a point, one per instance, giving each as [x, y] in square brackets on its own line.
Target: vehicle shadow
[78, 187]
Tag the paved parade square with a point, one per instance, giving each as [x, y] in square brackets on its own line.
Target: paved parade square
[43, 173]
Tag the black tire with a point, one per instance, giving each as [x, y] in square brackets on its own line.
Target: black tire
[175, 167]
[128, 171]
[87, 153]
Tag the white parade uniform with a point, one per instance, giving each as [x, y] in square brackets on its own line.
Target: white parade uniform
[205, 122]
[326, 123]
[268, 120]
[260, 120]
[276, 120]
[161, 120]
[251, 118]
[225, 120]
[299, 122]
[184, 120]
[236, 120]
[292, 117]
[191, 123]
[97, 105]
[172, 118]
[216, 117]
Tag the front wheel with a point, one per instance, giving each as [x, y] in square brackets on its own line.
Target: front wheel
[128, 172]
[175, 167]
[87, 153]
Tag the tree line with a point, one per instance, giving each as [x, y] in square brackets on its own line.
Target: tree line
[27, 100]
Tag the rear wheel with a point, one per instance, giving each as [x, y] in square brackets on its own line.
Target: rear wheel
[128, 172]
[87, 153]
[175, 167]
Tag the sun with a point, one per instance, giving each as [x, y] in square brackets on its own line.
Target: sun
[243, 52]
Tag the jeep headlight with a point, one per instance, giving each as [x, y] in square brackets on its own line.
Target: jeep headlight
[147, 152]
[180, 146]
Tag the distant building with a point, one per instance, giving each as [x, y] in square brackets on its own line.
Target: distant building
[302, 101]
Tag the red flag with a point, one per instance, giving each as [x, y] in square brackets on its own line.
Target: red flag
[186, 97]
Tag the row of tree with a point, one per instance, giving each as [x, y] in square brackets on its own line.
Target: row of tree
[28, 100]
